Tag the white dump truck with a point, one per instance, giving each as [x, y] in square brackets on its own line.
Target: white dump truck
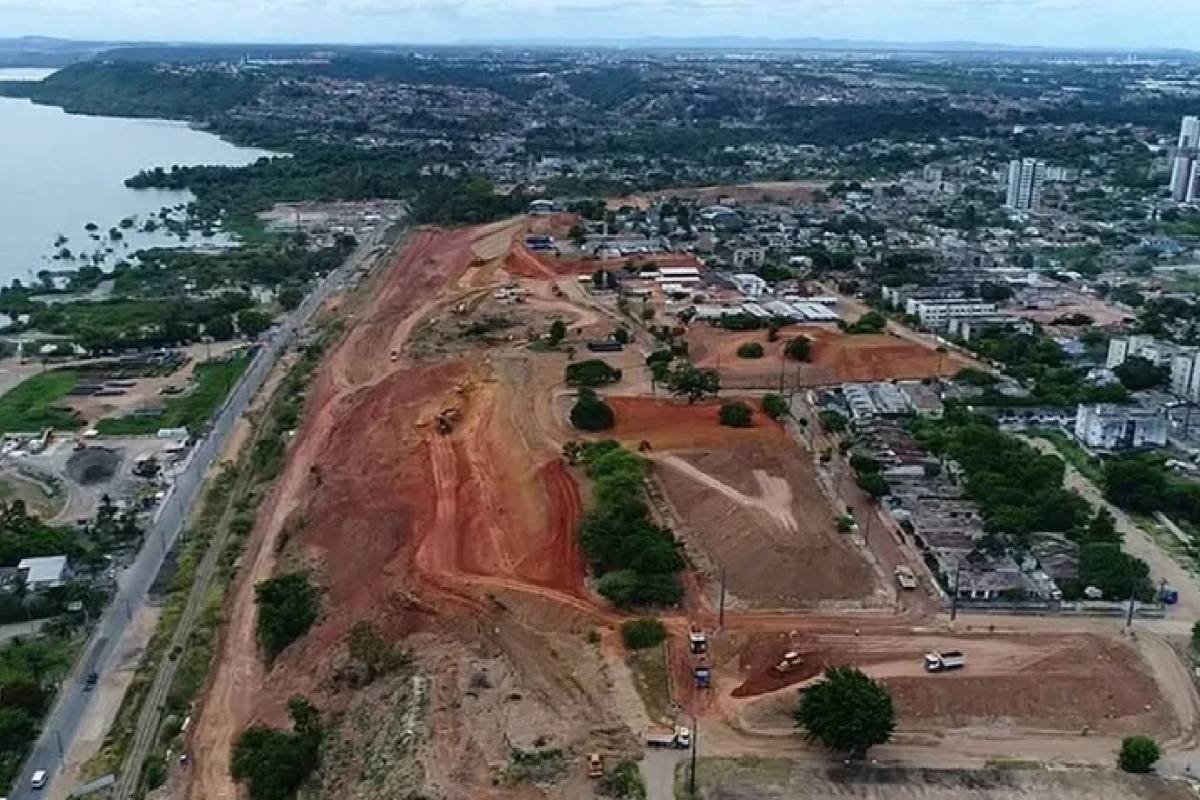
[678, 737]
[905, 578]
[941, 662]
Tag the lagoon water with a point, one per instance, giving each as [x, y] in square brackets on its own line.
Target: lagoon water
[60, 171]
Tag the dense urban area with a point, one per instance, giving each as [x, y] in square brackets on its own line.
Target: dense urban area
[676, 423]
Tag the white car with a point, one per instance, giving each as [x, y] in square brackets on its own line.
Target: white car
[39, 779]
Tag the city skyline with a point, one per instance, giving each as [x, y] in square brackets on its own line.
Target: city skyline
[1107, 24]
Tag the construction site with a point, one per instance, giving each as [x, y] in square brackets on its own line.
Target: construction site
[426, 493]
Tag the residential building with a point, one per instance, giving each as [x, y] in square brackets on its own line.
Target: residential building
[939, 313]
[1108, 427]
[1185, 375]
[43, 572]
[1025, 180]
[748, 257]
[1185, 170]
[1140, 345]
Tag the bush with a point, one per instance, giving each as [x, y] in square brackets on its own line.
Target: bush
[639, 634]
[774, 406]
[750, 350]
[591, 373]
[736, 414]
[275, 762]
[558, 331]
[287, 608]
[1138, 754]
[832, 421]
[624, 782]
[685, 380]
[591, 413]
[799, 349]
[871, 322]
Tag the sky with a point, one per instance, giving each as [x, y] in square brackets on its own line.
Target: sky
[1054, 23]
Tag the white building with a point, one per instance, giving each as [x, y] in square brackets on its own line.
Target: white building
[750, 285]
[43, 572]
[1103, 426]
[749, 257]
[1185, 375]
[1025, 179]
[1185, 170]
[1124, 347]
[678, 275]
[938, 313]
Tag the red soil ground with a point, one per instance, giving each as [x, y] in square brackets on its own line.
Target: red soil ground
[835, 358]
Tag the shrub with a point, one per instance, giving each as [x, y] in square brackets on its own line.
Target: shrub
[1138, 754]
[871, 322]
[624, 782]
[591, 373]
[639, 634]
[736, 414]
[685, 380]
[832, 421]
[750, 350]
[287, 608]
[774, 406]
[276, 762]
[799, 349]
[558, 331]
[591, 413]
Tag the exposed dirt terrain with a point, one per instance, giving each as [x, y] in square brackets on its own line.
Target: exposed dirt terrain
[836, 357]
[425, 493]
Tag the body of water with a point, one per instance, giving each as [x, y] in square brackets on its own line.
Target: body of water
[59, 172]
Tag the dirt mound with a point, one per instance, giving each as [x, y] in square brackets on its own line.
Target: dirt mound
[93, 465]
[670, 424]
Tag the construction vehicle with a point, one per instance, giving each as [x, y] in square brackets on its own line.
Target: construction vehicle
[677, 737]
[905, 578]
[942, 662]
[703, 675]
[790, 661]
[697, 641]
[595, 765]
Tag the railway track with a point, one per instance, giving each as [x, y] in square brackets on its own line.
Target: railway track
[149, 720]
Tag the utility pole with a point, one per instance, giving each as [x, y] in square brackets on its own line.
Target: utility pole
[721, 613]
[695, 749]
[954, 595]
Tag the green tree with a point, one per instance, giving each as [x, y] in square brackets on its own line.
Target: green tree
[847, 712]
[871, 322]
[290, 297]
[624, 782]
[750, 350]
[799, 349]
[220, 327]
[276, 763]
[774, 406]
[736, 414]
[1138, 373]
[638, 634]
[591, 413]
[1134, 482]
[287, 608]
[558, 331]
[590, 373]
[832, 421]
[252, 322]
[1138, 754]
[686, 380]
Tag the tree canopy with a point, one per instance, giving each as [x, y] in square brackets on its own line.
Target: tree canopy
[847, 712]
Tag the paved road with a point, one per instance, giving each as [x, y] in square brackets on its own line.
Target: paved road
[73, 703]
[658, 771]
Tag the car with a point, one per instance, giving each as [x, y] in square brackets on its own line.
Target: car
[39, 779]
[91, 681]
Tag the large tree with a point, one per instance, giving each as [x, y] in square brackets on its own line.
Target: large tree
[847, 712]
[686, 380]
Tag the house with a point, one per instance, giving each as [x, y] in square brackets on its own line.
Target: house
[43, 572]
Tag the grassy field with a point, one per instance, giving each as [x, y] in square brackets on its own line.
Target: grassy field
[28, 406]
[649, 668]
[213, 381]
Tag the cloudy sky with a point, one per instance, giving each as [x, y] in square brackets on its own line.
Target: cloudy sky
[1073, 23]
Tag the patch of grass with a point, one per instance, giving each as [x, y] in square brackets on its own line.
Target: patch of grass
[651, 679]
[213, 382]
[535, 766]
[29, 406]
[1071, 452]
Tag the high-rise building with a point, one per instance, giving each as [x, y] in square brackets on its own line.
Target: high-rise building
[1184, 169]
[1025, 179]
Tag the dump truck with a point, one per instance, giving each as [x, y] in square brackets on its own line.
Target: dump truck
[697, 642]
[905, 577]
[703, 675]
[595, 765]
[678, 737]
[790, 661]
[941, 662]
